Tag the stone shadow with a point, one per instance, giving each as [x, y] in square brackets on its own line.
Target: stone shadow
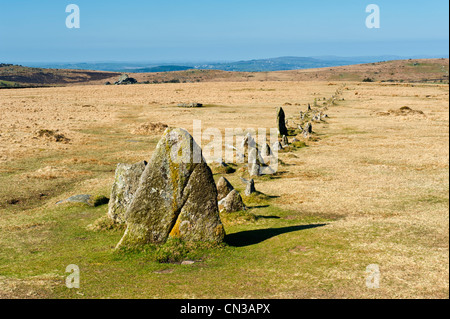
[252, 237]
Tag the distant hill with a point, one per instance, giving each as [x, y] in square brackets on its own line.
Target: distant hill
[259, 65]
[162, 68]
[282, 64]
[411, 70]
[420, 70]
[13, 76]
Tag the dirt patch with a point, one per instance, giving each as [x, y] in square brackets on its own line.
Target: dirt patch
[37, 287]
[150, 129]
[403, 111]
[52, 136]
[51, 172]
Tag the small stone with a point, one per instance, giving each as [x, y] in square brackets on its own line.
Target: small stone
[224, 187]
[248, 142]
[308, 129]
[266, 151]
[277, 146]
[232, 203]
[250, 189]
[254, 169]
[190, 105]
[83, 199]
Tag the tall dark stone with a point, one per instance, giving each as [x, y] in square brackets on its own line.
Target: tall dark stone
[281, 122]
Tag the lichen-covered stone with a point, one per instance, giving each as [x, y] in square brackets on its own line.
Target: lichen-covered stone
[232, 203]
[199, 218]
[224, 187]
[176, 196]
[126, 182]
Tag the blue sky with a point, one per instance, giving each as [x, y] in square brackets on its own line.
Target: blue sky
[213, 30]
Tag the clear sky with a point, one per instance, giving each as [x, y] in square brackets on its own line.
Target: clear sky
[213, 30]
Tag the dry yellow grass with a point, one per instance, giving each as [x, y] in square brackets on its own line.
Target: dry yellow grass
[383, 179]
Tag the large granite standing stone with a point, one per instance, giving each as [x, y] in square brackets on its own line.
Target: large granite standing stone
[176, 197]
[126, 182]
[281, 122]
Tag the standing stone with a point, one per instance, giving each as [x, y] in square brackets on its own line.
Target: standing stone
[277, 146]
[232, 203]
[250, 189]
[254, 162]
[316, 118]
[254, 169]
[309, 108]
[284, 141]
[265, 150]
[176, 197]
[199, 218]
[308, 130]
[126, 182]
[248, 141]
[281, 122]
[224, 187]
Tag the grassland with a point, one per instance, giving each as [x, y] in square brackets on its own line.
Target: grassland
[368, 189]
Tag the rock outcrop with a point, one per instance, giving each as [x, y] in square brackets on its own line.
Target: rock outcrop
[125, 79]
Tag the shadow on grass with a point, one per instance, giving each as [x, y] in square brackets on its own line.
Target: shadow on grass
[252, 237]
[258, 206]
